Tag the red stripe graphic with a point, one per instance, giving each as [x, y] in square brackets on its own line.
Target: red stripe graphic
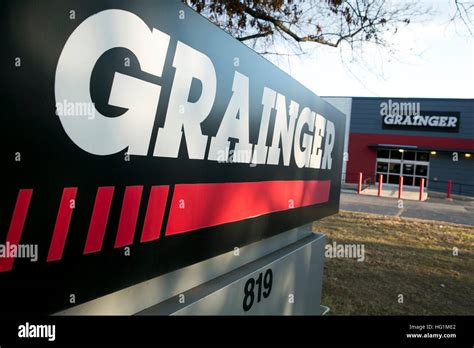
[128, 216]
[61, 227]
[196, 206]
[16, 225]
[100, 215]
[154, 213]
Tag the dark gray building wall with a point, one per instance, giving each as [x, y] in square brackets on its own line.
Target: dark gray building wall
[365, 116]
[461, 172]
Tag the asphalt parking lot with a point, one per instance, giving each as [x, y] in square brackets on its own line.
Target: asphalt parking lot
[438, 209]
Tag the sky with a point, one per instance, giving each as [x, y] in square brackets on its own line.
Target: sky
[435, 59]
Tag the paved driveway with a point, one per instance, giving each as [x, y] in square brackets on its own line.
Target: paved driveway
[461, 212]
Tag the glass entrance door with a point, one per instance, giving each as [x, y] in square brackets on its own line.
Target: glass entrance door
[412, 165]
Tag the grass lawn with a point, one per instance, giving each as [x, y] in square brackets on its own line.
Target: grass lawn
[402, 256]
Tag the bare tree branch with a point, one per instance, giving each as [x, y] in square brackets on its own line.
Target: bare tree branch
[464, 11]
[324, 22]
[254, 36]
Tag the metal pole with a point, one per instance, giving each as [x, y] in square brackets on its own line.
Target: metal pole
[380, 184]
[422, 187]
[400, 186]
[359, 186]
[448, 194]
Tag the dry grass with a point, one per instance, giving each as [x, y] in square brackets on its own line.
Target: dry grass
[402, 256]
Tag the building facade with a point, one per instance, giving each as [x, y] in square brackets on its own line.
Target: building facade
[417, 138]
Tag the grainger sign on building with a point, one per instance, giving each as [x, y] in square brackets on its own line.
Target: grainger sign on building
[143, 139]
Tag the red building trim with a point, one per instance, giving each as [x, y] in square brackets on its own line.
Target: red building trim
[362, 158]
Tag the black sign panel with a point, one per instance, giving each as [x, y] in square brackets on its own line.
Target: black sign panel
[139, 138]
[430, 121]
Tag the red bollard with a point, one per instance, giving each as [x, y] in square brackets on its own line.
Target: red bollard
[448, 194]
[380, 184]
[422, 187]
[359, 186]
[400, 186]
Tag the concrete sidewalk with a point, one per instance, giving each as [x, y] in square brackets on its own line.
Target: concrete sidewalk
[461, 212]
[392, 192]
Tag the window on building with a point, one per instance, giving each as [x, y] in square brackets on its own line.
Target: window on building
[396, 154]
[394, 168]
[421, 170]
[409, 155]
[408, 168]
[393, 179]
[413, 165]
[382, 167]
[423, 156]
[383, 153]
